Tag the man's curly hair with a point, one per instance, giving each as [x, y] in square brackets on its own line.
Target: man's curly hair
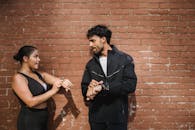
[101, 31]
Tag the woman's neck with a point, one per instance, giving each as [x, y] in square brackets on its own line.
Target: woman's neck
[26, 70]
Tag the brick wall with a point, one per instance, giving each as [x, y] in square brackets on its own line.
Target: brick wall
[159, 34]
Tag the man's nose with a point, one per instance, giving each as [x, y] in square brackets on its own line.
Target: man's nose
[90, 44]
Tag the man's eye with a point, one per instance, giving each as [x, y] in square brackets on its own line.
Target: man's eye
[92, 40]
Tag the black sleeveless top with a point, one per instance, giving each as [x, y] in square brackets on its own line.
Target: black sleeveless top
[34, 86]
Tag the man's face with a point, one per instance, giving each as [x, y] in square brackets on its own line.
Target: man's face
[96, 44]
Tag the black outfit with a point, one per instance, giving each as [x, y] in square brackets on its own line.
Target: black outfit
[32, 118]
[110, 107]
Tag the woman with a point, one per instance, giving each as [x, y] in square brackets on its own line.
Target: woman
[32, 89]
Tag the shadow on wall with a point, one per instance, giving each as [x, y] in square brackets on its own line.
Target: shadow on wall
[132, 107]
[3, 5]
[3, 1]
[70, 107]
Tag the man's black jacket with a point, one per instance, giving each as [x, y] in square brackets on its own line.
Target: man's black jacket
[110, 105]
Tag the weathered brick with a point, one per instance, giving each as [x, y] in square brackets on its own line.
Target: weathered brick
[158, 34]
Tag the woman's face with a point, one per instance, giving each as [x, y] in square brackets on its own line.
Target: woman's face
[33, 60]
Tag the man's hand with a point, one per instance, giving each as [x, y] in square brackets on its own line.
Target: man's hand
[93, 89]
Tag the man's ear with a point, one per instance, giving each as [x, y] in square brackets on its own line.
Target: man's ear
[25, 58]
[103, 39]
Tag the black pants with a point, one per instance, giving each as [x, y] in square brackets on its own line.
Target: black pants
[108, 126]
[32, 119]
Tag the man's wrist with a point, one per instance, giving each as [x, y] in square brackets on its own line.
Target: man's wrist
[105, 87]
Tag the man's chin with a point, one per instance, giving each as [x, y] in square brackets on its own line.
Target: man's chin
[94, 52]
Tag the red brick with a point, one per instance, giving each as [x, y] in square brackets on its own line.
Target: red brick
[158, 34]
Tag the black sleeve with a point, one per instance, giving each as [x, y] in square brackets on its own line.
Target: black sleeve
[85, 82]
[128, 84]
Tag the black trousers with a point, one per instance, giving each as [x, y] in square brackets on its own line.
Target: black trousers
[108, 126]
[32, 119]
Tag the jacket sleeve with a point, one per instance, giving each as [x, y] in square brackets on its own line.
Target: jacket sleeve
[85, 82]
[128, 83]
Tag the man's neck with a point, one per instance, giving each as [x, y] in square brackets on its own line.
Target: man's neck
[105, 51]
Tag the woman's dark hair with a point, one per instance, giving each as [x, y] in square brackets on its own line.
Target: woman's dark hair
[101, 31]
[24, 51]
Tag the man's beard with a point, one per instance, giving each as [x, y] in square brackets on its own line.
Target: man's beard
[99, 53]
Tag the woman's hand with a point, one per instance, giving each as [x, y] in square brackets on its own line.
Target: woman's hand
[66, 84]
[56, 86]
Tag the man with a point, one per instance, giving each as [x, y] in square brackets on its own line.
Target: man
[108, 79]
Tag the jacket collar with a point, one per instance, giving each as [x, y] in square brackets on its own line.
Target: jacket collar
[113, 51]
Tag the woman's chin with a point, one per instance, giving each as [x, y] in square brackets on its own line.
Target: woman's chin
[36, 67]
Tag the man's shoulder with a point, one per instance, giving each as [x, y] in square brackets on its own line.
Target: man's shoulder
[91, 61]
[124, 55]
[120, 52]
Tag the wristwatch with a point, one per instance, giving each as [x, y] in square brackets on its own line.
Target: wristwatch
[105, 87]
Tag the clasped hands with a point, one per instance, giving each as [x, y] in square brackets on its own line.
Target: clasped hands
[93, 89]
[65, 83]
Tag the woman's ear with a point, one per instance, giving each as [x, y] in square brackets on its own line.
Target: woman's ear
[25, 58]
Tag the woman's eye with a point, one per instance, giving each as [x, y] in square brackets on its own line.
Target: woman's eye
[36, 56]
